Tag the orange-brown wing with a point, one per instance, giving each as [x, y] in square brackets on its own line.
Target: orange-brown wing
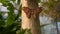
[27, 11]
[39, 10]
[36, 12]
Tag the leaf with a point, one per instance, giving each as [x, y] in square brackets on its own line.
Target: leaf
[19, 10]
[44, 25]
[13, 0]
[39, 1]
[4, 2]
[22, 31]
[11, 17]
[18, 2]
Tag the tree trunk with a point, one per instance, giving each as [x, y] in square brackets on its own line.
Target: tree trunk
[30, 23]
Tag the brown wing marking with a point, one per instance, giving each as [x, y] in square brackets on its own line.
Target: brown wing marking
[27, 11]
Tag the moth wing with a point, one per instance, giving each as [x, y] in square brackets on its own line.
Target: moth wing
[27, 11]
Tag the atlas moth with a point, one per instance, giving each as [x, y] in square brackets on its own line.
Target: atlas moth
[32, 12]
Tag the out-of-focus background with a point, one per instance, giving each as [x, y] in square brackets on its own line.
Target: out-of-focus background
[10, 17]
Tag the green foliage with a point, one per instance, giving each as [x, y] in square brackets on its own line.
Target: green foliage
[11, 17]
[1, 21]
[39, 1]
[13, 0]
[18, 2]
[10, 29]
[24, 31]
[51, 7]
[50, 4]
[12, 24]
